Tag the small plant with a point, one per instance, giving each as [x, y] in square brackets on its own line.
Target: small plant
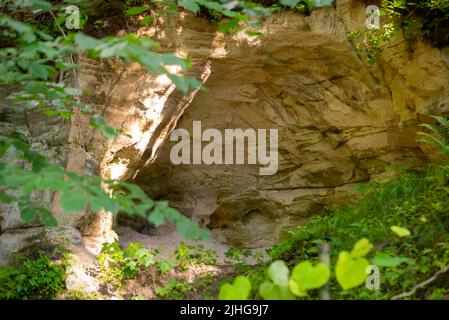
[174, 289]
[118, 265]
[32, 279]
[188, 255]
[439, 136]
[239, 258]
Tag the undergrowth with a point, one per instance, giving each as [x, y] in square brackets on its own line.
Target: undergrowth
[414, 200]
[27, 279]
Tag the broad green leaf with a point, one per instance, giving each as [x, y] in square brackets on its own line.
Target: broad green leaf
[38, 70]
[136, 10]
[306, 276]
[99, 123]
[86, 42]
[157, 217]
[278, 272]
[350, 271]
[238, 290]
[401, 232]
[361, 248]
[35, 4]
[270, 291]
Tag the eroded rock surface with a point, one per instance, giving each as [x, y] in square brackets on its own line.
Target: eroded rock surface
[341, 121]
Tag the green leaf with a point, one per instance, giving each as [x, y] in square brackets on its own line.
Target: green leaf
[270, 291]
[157, 217]
[73, 201]
[361, 248]
[29, 214]
[238, 290]
[86, 42]
[289, 3]
[277, 288]
[385, 260]
[38, 70]
[313, 4]
[99, 123]
[136, 10]
[47, 218]
[350, 271]
[228, 26]
[190, 5]
[5, 198]
[401, 232]
[36, 4]
[305, 277]
[278, 272]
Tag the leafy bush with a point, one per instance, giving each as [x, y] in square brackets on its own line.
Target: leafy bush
[32, 279]
[118, 264]
[350, 272]
[174, 289]
[187, 255]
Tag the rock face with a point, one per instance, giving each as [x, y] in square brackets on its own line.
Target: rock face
[341, 121]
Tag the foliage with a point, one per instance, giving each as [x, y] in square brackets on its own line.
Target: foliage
[277, 288]
[80, 191]
[238, 290]
[188, 255]
[117, 264]
[439, 134]
[238, 257]
[174, 289]
[306, 277]
[351, 267]
[429, 18]
[414, 201]
[32, 279]
[350, 272]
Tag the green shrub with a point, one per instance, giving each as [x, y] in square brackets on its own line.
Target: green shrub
[32, 279]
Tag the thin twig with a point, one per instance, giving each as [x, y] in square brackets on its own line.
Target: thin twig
[421, 284]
